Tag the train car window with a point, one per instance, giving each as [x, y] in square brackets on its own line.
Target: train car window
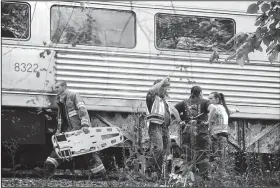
[193, 33]
[15, 21]
[93, 26]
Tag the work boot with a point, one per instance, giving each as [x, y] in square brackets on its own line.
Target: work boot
[204, 168]
[222, 171]
[223, 174]
[101, 175]
[40, 171]
[222, 168]
[46, 171]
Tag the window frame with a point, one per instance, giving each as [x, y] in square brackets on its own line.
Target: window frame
[181, 50]
[89, 46]
[29, 22]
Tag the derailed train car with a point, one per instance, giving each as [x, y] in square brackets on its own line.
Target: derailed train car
[111, 52]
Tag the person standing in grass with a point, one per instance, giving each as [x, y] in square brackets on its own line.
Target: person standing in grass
[195, 135]
[219, 129]
[158, 120]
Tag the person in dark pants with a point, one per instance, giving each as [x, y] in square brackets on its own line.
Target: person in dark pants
[219, 129]
[158, 120]
[72, 115]
[195, 134]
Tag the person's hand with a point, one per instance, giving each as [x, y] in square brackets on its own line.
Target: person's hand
[186, 128]
[182, 123]
[48, 117]
[56, 133]
[205, 123]
[46, 112]
[166, 80]
[193, 122]
[85, 130]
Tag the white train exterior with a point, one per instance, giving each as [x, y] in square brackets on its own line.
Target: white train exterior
[114, 73]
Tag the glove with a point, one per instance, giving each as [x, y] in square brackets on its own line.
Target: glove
[46, 112]
[204, 123]
[56, 133]
[85, 130]
[193, 122]
[182, 123]
[41, 110]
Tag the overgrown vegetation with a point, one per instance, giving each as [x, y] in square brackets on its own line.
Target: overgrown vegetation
[12, 147]
[92, 27]
[15, 20]
[193, 32]
[267, 33]
[182, 175]
[172, 32]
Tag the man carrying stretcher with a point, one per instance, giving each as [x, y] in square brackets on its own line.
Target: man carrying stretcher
[72, 116]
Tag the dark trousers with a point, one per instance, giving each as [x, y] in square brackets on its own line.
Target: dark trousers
[219, 149]
[188, 142]
[203, 153]
[196, 146]
[95, 163]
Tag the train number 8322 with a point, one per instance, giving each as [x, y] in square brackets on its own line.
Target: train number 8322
[26, 67]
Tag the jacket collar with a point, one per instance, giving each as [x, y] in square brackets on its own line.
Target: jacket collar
[62, 98]
[163, 99]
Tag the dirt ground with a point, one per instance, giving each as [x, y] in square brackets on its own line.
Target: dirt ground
[37, 182]
[251, 180]
[135, 179]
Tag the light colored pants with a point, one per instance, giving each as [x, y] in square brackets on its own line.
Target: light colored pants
[160, 145]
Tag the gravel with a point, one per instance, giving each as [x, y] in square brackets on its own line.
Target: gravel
[39, 182]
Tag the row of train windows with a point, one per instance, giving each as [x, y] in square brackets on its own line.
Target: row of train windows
[117, 28]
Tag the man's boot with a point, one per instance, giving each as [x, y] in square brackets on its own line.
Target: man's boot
[101, 175]
[222, 151]
[204, 169]
[46, 171]
[222, 169]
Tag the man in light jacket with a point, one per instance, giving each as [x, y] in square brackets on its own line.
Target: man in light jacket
[158, 119]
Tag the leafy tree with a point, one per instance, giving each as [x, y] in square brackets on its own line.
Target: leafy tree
[193, 32]
[15, 20]
[267, 33]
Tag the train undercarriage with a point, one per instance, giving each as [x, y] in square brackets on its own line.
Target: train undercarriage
[26, 140]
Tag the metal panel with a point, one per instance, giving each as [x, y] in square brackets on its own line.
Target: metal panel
[131, 76]
[125, 75]
[262, 136]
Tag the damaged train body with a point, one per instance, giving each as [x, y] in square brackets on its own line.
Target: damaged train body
[111, 52]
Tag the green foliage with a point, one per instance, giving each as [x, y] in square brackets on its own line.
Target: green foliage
[66, 32]
[193, 33]
[92, 27]
[267, 33]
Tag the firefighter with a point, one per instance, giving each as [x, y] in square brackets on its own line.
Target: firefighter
[72, 115]
[158, 120]
[195, 135]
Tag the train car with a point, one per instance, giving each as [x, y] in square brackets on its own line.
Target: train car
[111, 53]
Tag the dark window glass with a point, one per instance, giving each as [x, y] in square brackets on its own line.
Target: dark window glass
[15, 20]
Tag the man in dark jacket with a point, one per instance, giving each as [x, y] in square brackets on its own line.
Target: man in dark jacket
[194, 112]
[72, 115]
